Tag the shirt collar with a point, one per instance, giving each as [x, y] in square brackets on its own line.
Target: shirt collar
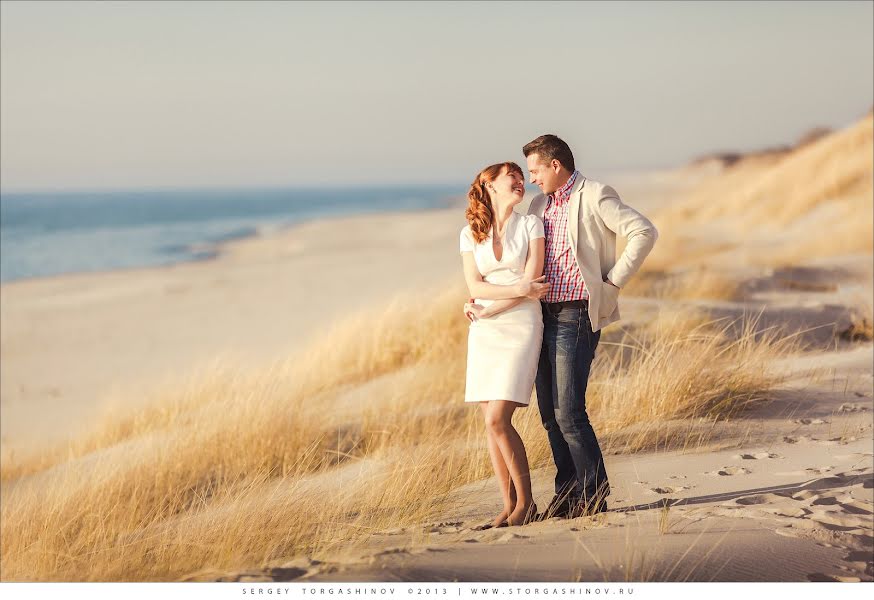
[562, 194]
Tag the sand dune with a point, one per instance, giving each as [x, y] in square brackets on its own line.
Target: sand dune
[781, 210]
[818, 524]
[326, 361]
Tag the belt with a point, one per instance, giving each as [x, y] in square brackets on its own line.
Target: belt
[554, 308]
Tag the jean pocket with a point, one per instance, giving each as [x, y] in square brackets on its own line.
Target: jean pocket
[569, 315]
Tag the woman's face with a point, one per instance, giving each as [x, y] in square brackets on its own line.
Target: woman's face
[509, 187]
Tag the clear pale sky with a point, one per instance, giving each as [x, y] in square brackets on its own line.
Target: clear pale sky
[158, 94]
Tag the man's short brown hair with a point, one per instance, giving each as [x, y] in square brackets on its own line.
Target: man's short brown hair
[549, 147]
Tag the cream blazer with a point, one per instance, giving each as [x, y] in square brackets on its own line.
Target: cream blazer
[595, 216]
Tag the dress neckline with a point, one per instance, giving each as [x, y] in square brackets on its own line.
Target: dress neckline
[492, 237]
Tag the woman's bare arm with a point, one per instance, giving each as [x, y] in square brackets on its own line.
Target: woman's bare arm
[526, 288]
[533, 271]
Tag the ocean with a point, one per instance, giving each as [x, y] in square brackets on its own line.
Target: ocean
[43, 234]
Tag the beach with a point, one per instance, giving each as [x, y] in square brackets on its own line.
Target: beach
[69, 342]
[326, 360]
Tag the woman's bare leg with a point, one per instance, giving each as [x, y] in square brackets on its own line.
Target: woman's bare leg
[499, 422]
[508, 490]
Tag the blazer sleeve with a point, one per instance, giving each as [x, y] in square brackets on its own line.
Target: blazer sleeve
[629, 223]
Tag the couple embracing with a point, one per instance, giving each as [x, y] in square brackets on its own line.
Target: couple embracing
[543, 285]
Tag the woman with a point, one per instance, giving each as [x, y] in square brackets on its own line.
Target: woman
[503, 265]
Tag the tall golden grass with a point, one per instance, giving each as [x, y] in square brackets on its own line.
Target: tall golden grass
[835, 167]
[364, 431]
[697, 283]
[814, 201]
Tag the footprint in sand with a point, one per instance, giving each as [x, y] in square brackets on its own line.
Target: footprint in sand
[851, 408]
[835, 441]
[793, 512]
[810, 421]
[831, 511]
[670, 489]
[446, 527]
[727, 471]
[760, 499]
[447, 524]
[840, 519]
[806, 495]
[826, 519]
[858, 507]
[805, 472]
[830, 500]
[757, 456]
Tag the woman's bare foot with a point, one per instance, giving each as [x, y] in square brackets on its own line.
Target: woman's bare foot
[523, 514]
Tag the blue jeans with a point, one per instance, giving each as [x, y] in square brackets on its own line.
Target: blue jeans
[562, 376]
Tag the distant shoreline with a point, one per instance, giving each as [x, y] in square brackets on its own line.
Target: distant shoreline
[207, 250]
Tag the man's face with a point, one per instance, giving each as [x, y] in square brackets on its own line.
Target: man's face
[544, 175]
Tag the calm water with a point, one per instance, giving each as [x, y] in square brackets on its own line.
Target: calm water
[51, 233]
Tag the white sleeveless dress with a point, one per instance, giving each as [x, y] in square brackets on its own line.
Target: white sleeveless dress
[503, 350]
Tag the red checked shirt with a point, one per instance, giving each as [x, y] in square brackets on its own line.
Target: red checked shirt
[560, 264]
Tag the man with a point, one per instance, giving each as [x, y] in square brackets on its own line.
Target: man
[581, 219]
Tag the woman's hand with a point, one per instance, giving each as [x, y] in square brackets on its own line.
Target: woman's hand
[474, 311]
[533, 288]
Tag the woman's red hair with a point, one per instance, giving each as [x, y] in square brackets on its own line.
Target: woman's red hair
[480, 213]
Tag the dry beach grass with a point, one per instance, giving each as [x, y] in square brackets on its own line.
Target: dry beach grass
[364, 431]
[236, 468]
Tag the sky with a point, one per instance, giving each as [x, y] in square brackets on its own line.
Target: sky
[114, 95]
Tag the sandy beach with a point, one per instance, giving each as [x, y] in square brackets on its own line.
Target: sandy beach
[778, 488]
[71, 342]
